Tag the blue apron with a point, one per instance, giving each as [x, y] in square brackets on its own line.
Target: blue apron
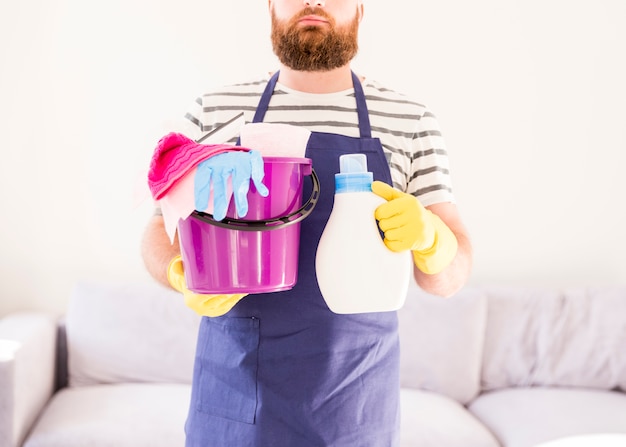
[280, 369]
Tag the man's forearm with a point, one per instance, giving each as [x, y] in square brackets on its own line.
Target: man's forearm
[157, 251]
[452, 278]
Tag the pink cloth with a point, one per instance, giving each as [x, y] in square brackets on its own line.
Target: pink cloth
[178, 203]
[174, 156]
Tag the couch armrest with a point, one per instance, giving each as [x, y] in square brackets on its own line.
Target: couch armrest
[27, 371]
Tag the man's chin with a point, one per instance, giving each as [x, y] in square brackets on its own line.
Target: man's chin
[312, 33]
[311, 28]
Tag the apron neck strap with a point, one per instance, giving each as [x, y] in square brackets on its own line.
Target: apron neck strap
[365, 130]
[265, 99]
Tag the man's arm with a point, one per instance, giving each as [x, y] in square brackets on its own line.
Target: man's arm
[156, 249]
[453, 277]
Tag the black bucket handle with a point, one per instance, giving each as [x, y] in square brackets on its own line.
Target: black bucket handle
[269, 224]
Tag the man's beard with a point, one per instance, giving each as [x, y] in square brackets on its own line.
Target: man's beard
[312, 48]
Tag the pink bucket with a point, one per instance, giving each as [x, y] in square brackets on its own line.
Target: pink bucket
[257, 254]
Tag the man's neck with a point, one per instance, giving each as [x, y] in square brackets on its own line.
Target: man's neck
[332, 81]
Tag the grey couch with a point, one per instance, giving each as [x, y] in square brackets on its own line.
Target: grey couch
[492, 366]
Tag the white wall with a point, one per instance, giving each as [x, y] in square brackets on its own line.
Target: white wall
[530, 96]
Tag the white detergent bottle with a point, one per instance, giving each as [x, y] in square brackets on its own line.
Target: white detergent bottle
[356, 272]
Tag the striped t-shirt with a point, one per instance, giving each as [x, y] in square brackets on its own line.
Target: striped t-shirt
[408, 131]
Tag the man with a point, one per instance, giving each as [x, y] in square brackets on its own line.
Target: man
[281, 369]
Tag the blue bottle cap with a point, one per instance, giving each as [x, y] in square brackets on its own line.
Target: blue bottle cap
[353, 175]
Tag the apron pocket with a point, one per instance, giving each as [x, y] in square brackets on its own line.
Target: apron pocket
[228, 362]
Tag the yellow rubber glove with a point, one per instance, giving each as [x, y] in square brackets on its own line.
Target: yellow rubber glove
[407, 225]
[205, 305]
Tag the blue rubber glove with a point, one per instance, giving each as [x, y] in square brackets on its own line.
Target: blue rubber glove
[242, 166]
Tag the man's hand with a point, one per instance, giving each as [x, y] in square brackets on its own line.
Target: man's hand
[407, 225]
[205, 305]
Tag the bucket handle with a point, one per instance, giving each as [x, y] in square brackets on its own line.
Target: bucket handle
[269, 224]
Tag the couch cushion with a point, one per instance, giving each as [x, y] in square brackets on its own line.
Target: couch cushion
[541, 336]
[524, 417]
[432, 420]
[129, 332]
[441, 342]
[114, 415]
[602, 440]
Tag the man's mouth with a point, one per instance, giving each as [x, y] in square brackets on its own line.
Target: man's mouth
[312, 20]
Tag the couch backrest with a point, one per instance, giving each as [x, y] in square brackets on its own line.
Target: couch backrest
[441, 342]
[129, 332]
[484, 338]
[555, 337]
